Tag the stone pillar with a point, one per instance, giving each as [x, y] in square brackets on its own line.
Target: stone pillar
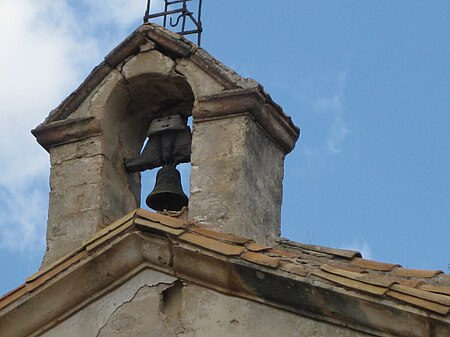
[87, 188]
[240, 140]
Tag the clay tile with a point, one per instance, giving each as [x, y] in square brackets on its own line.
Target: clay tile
[345, 253]
[405, 272]
[54, 265]
[211, 244]
[146, 225]
[425, 295]
[13, 295]
[362, 277]
[162, 219]
[219, 236]
[282, 253]
[102, 239]
[368, 288]
[440, 309]
[374, 265]
[294, 268]
[49, 274]
[435, 289]
[254, 247]
[349, 267]
[261, 259]
[410, 283]
[110, 228]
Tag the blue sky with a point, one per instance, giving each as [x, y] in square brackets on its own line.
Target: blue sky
[368, 82]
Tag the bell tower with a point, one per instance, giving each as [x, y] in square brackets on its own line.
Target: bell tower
[143, 92]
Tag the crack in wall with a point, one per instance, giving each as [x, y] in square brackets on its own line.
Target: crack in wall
[126, 302]
[77, 157]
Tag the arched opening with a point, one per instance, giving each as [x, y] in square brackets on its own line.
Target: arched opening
[132, 106]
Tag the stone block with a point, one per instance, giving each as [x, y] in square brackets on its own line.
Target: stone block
[76, 172]
[84, 148]
[202, 83]
[146, 63]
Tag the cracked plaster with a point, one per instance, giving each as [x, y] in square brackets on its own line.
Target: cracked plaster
[136, 309]
[102, 317]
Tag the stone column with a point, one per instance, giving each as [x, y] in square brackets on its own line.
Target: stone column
[87, 189]
[240, 140]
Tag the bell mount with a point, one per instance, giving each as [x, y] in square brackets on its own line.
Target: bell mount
[176, 14]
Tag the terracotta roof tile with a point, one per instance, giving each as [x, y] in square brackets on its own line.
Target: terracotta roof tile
[255, 247]
[426, 289]
[282, 253]
[368, 288]
[110, 227]
[146, 225]
[362, 277]
[374, 265]
[212, 244]
[294, 268]
[13, 295]
[435, 289]
[405, 272]
[162, 219]
[261, 259]
[102, 239]
[348, 267]
[54, 264]
[410, 283]
[423, 294]
[435, 307]
[320, 249]
[219, 235]
[50, 273]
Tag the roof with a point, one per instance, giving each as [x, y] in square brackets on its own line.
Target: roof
[324, 283]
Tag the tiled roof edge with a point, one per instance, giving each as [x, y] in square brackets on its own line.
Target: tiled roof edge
[387, 284]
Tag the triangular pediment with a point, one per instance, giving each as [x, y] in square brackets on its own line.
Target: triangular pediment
[325, 284]
[190, 61]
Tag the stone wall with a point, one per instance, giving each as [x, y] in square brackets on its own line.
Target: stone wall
[236, 178]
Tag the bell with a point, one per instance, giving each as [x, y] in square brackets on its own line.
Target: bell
[167, 193]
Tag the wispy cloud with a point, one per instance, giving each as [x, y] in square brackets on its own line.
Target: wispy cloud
[334, 105]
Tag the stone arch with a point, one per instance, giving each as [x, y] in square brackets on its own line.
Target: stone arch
[128, 111]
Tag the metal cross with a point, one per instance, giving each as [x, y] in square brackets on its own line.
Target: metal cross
[177, 15]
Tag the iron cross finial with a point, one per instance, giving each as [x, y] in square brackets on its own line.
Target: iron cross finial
[177, 15]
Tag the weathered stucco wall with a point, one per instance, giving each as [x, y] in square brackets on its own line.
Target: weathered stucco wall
[153, 304]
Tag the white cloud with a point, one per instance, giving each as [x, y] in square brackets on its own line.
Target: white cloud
[47, 48]
[117, 14]
[21, 226]
[334, 105]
